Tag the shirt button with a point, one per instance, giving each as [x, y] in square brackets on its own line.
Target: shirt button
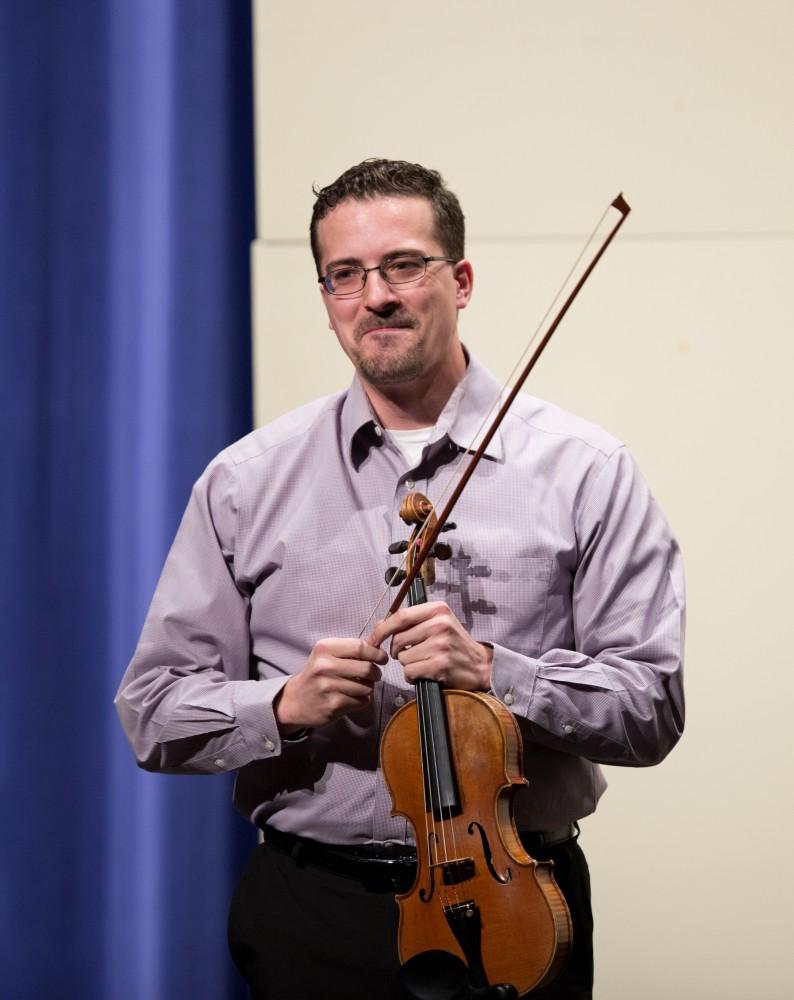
[409, 484]
[399, 701]
[219, 762]
[378, 431]
[567, 730]
[270, 745]
[508, 699]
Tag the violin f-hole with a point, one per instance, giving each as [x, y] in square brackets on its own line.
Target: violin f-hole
[427, 894]
[486, 850]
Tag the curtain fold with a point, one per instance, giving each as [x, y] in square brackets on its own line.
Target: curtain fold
[126, 215]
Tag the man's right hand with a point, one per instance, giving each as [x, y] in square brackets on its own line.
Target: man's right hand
[338, 678]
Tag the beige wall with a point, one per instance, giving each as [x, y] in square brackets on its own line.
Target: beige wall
[538, 114]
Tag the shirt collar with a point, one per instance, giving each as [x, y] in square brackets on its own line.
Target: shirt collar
[460, 420]
[359, 425]
[466, 418]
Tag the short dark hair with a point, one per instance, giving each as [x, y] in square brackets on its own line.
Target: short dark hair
[376, 177]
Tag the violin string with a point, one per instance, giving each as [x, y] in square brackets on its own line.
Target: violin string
[449, 820]
[441, 843]
[431, 757]
[429, 774]
[426, 734]
[465, 452]
[425, 771]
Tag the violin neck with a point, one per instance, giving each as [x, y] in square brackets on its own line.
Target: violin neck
[441, 790]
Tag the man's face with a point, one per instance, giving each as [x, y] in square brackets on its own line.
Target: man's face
[393, 333]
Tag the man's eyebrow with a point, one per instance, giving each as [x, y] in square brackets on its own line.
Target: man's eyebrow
[343, 262]
[356, 261]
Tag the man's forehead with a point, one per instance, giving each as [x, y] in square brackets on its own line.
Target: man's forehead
[359, 225]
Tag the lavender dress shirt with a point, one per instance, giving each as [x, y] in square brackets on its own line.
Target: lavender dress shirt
[561, 559]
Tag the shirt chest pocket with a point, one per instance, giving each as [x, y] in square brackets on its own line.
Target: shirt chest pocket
[501, 599]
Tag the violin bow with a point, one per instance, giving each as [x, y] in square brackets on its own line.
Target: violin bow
[429, 537]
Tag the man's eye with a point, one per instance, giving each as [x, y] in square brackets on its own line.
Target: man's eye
[405, 266]
[343, 274]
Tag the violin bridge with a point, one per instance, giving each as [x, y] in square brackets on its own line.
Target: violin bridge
[455, 871]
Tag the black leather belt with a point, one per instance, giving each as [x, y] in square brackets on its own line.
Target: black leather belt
[385, 867]
[543, 841]
[378, 867]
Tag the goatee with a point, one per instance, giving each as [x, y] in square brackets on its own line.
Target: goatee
[395, 361]
[392, 368]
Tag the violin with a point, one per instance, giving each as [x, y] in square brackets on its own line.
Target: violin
[451, 761]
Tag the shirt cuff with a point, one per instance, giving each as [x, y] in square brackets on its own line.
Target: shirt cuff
[253, 704]
[513, 677]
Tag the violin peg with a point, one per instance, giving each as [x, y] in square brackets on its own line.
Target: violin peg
[394, 576]
[449, 526]
[442, 551]
[396, 548]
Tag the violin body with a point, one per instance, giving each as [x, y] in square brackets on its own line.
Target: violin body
[477, 893]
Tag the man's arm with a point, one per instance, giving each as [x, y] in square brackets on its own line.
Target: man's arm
[188, 701]
[617, 696]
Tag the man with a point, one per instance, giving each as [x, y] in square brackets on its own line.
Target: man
[563, 598]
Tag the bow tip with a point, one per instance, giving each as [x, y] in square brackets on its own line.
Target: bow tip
[621, 205]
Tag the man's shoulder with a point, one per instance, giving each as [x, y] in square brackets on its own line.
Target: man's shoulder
[290, 428]
[538, 416]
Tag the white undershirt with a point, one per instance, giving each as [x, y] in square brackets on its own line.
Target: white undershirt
[411, 442]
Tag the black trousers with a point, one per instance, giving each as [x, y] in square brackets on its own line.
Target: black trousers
[300, 933]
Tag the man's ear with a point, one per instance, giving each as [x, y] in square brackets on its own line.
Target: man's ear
[323, 296]
[463, 273]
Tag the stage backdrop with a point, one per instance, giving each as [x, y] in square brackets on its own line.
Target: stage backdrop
[127, 211]
[538, 114]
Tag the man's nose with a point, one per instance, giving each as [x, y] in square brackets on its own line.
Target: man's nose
[378, 293]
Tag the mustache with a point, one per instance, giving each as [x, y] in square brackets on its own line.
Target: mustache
[404, 320]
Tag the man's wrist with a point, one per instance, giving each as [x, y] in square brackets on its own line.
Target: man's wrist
[290, 731]
[487, 649]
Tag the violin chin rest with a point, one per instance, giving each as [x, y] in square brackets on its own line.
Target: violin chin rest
[440, 975]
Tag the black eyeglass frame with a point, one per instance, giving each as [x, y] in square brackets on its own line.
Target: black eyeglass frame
[326, 278]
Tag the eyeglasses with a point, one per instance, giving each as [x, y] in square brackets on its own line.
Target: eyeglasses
[350, 279]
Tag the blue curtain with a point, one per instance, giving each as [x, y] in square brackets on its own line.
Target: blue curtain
[126, 193]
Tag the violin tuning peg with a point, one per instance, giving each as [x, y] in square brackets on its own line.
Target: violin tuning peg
[449, 526]
[394, 576]
[398, 547]
[442, 551]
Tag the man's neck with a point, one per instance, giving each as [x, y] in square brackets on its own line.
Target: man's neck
[418, 403]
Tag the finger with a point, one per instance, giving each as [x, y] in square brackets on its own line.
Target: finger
[415, 636]
[443, 629]
[424, 668]
[406, 618]
[358, 670]
[350, 688]
[353, 649]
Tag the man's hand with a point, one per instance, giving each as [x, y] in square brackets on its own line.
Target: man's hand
[338, 678]
[431, 644]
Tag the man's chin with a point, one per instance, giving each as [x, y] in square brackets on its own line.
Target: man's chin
[390, 371]
[390, 362]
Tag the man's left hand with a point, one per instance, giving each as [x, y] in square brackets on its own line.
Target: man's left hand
[431, 644]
